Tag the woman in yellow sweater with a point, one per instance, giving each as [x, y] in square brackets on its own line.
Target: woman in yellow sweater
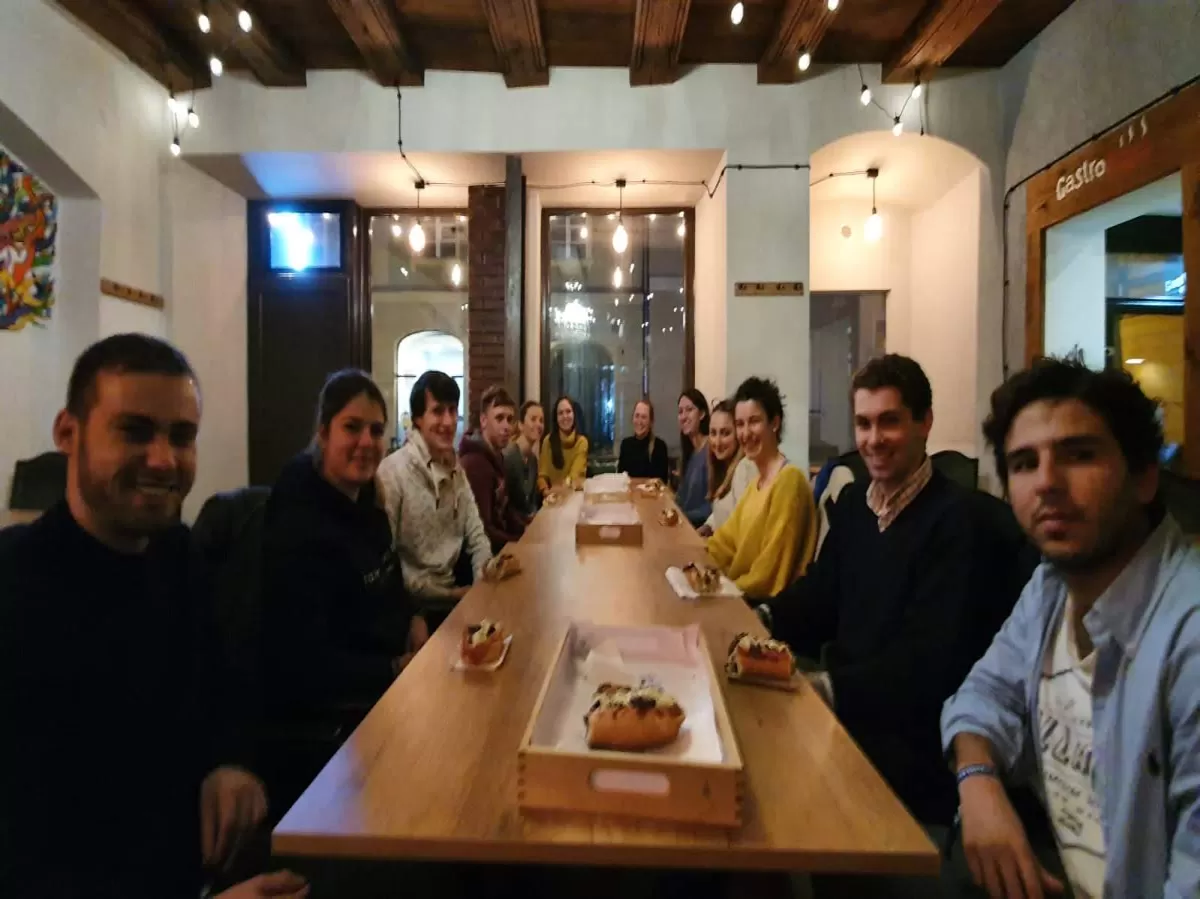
[563, 459]
[771, 536]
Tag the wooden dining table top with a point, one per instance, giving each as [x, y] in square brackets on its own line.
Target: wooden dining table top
[431, 773]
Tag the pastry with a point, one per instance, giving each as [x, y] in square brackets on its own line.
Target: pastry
[502, 566]
[552, 498]
[704, 579]
[632, 718]
[669, 517]
[483, 643]
[653, 487]
[751, 656]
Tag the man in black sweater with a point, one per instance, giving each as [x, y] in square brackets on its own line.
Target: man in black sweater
[111, 779]
[913, 580]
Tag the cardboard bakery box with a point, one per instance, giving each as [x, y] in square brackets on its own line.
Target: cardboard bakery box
[609, 524]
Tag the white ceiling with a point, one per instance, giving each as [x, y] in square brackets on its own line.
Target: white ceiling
[914, 171]
[385, 180]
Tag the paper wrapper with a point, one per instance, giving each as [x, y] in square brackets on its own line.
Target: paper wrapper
[679, 583]
[668, 657]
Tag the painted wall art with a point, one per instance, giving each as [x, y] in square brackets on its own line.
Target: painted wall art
[28, 232]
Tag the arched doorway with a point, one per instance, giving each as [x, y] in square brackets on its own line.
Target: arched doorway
[418, 353]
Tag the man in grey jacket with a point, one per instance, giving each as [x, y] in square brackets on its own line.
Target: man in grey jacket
[1090, 693]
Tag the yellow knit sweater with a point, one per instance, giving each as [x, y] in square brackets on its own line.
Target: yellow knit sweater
[575, 455]
[771, 536]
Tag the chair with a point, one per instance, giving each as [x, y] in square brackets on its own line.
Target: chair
[39, 483]
[853, 461]
[963, 470]
[1181, 495]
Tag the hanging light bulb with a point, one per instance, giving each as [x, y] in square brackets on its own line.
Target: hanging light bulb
[916, 91]
[416, 234]
[583, 232]
[833, 5]
[617, 277]
[805, 61]
[193, 119]
[396, 230]
[456, 275]
[682, 229]
[204, 22]
[873, 229]
[620, 238]
[897, 127]
[176, 149]
[215, 66]
[416, 237]
[172, 103]
[735, 14]
[865, 97]
[244, 21]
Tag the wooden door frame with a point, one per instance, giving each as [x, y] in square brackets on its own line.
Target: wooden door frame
[1141, 150]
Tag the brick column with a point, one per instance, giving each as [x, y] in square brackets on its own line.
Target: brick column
[485, 295]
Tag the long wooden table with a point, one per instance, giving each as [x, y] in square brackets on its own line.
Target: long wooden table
[431, 772]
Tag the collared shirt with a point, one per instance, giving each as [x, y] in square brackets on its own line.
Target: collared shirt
[1145, 710]
[887, 507]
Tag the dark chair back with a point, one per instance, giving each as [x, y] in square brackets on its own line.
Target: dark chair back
[853, 460]
[39, 483]
[963, 470]
[1181, 495]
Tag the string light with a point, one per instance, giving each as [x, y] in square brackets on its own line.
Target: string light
[865, 97]
[244, 21]
[682, 229]
[833, 5]
[916, 91]
[897, 127]
[396, 230]
[193, 119]
[172, 103]
[583, 232]
[456, 275]
[805, 61]
[873, 229]
[735, 14]
[620, 240]
[215, 66]
[176, 149]
[204, 22]
[616, 277]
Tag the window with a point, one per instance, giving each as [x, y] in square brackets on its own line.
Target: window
[616, 323]
[417, 354]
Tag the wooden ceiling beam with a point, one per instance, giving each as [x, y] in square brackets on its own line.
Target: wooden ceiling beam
[272, 62]
[516, 29]
[658, 27]
[941, 28]
[151, 46]
[372, 26]
[802, 25]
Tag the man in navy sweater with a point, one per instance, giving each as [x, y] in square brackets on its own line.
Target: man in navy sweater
[913, 580]
[116, 778]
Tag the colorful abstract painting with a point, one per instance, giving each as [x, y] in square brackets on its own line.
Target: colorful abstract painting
[28, 228]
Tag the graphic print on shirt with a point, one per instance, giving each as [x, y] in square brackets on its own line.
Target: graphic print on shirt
[1068, 773]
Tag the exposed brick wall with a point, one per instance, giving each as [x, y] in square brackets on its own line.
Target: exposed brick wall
[485, 295]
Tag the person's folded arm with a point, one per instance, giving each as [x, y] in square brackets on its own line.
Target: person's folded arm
[992, 701]
[1183, 787]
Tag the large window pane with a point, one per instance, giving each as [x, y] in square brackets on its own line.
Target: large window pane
[418, 305]
[617, 324]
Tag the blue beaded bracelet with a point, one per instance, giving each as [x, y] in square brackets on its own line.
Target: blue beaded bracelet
[974, 771]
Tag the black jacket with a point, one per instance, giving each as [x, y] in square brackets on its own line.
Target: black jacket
[639, 461]
[111, 703]
[335, 613]
[898, 618]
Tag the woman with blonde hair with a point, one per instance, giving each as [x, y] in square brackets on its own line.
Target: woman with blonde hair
[642, 454]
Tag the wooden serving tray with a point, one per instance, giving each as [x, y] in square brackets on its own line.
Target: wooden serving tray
[609, 524]
[628, 784]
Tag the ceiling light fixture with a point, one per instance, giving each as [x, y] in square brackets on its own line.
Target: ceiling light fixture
[172, 103]
[616, 277]
[244, 21]
[916, 91]
[873, 229]
[620, 236]
[735, 14]
[396, 229]
[865, 97]
[805, 61]
[176, 149]
[193, 119]
[204, 22]
[456, 275]
[583, 232]
[215, 66]
[682, 229]
[897, 127]
[833, 5]
[416, 234]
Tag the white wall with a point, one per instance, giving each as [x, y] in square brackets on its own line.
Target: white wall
[709, 288]
[106, 150]
[945, 290]
[855, 265]
[1075, 294]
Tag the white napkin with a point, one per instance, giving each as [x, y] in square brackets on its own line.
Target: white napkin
[679, 583]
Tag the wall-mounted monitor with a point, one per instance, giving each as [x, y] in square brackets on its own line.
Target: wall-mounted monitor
[304, 241]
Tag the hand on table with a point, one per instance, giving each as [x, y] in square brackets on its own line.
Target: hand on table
[232, 803]
[997, 849]
[704, 531]
[418, 633]
[277, 885]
